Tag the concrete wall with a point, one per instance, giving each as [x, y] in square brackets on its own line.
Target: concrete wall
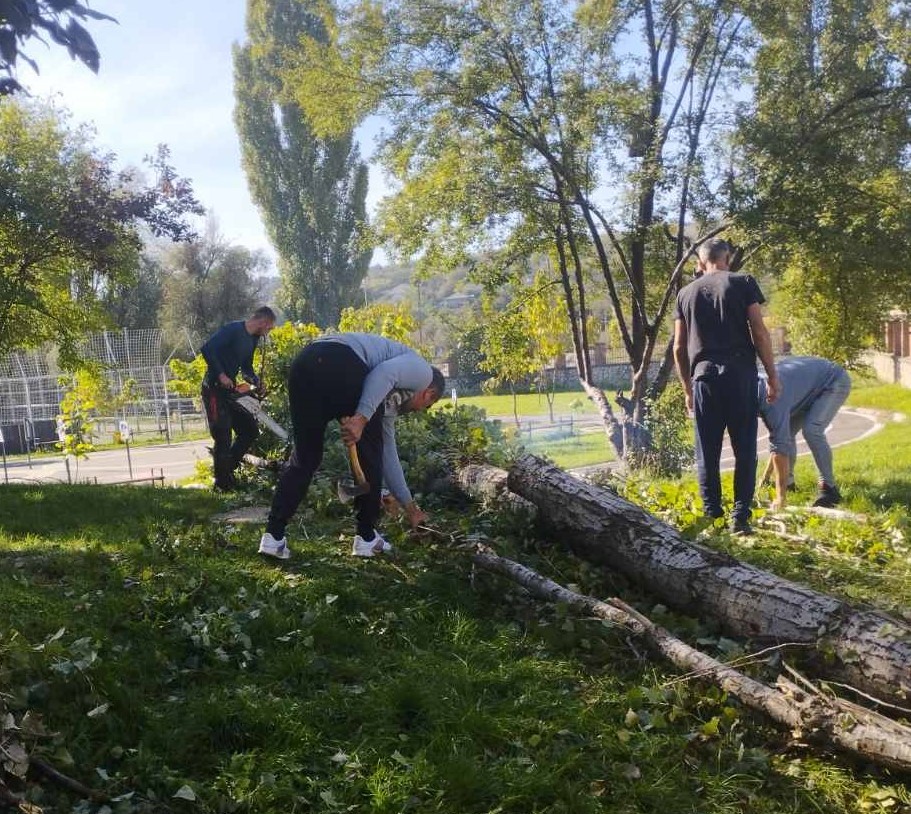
[890, 368]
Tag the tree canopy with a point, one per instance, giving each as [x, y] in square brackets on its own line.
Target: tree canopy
[823, 181]
[311, 190]
[536, 128]
[207, 282]
[70, 225]
[23, 20]
[608, 137]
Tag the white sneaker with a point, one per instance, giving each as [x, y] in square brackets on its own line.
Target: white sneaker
[275, 548]
[370, 548]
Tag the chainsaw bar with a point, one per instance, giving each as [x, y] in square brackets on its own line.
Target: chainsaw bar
[254, 408]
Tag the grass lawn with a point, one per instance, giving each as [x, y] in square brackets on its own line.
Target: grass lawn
[169, 659]
[165, 658]
[583, 449]
[576, 450]
[531, 404]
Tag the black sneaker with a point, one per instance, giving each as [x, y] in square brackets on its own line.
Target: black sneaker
[741, 528]
[828, 496]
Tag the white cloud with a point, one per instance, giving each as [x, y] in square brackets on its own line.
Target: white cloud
[167, 77]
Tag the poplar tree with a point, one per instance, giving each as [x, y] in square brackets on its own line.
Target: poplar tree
[311, 191]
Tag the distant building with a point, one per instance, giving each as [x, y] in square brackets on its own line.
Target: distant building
[458, 300]
[892, 362]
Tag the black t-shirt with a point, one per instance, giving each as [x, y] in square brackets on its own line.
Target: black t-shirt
[714, 310]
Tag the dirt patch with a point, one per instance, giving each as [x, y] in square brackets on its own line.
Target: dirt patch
[245, 514]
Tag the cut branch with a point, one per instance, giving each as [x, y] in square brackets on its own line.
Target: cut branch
[867, 649]
[42, 767]
[831, 721]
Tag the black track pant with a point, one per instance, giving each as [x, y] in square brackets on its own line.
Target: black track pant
[722, 402]
[325, 384]
[224, 416]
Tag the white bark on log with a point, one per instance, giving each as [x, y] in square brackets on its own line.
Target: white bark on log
[484, 482]
[832, 721]
[871, 650]
[487, 483]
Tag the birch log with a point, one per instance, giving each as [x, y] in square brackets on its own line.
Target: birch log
[815, 717]
[864, 648]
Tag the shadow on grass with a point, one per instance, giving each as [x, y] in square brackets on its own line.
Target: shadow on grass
[56, 511]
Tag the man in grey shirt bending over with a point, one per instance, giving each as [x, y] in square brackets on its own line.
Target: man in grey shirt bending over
[814, 390]
[365, 382]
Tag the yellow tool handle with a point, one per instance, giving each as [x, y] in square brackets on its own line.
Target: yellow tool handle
[356, 466]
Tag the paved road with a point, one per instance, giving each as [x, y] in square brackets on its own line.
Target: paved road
[849, 425]
[175, 462]
[178, 461]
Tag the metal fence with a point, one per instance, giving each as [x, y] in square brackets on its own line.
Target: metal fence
[32, 387]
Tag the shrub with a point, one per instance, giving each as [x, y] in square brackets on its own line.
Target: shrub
[668, 426]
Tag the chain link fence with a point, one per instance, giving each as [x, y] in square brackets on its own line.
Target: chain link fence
[32, 387]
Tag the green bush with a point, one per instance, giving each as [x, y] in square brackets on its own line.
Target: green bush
[433, 444]
[668, 426]
[430, 444]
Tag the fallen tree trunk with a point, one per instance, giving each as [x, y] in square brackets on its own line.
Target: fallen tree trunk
[831, 721]
[866, 649]
[489, 484]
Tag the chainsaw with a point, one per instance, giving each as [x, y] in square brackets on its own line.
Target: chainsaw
[247, 401]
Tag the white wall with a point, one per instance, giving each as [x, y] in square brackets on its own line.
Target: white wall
[889, 368]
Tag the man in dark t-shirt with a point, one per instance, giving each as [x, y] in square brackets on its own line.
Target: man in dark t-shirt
[718, 331]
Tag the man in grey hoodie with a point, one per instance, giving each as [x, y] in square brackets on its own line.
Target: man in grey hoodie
[814, 390]
[363, 381]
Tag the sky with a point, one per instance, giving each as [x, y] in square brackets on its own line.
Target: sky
[166, 76]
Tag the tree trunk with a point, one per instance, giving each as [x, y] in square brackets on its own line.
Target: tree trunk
[867, 649]
[612, 427]
[810, 715]
[488, 483]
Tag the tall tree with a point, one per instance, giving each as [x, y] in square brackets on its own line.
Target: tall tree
[310, 190]
[208, 282]
[22, 20]
[589, 132]
[825, 178]
[571, 129]
[69, 225]
[136, 301]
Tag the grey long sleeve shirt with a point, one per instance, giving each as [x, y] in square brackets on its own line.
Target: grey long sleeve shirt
[804, 379]
[396, 372]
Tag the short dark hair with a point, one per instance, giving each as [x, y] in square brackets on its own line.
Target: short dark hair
[438, 382]
[264, 312]
[712, 249]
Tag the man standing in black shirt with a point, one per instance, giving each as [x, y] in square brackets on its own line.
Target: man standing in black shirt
[229, 350]
[718, 331]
